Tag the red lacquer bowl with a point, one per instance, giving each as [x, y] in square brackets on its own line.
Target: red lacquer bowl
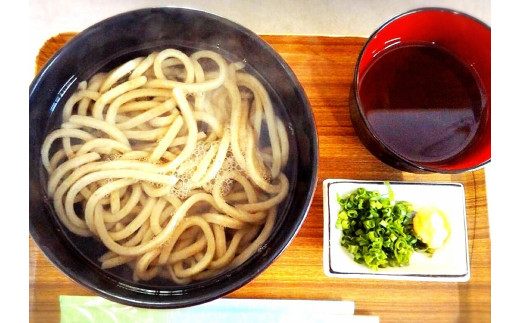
[463, 36]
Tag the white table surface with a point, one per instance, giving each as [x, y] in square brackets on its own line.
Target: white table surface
[289, 17]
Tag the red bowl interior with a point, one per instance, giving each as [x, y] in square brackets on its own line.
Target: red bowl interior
[465, 37]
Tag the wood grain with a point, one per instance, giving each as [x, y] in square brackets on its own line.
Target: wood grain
[325, 68]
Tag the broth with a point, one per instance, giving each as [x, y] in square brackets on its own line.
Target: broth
[422, 102]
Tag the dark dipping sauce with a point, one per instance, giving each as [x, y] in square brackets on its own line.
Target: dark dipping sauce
[422, 102]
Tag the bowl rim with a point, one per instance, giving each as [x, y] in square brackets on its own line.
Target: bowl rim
[287, 239]
[402, 159]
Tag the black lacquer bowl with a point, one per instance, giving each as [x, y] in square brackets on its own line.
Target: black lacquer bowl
[116, 40]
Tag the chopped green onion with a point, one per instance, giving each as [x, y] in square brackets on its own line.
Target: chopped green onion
[377, 230]
[390, 192]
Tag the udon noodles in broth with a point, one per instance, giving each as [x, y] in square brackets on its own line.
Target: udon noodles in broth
[163, 156]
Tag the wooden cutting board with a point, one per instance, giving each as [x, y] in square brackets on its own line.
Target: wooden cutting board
[325, 68]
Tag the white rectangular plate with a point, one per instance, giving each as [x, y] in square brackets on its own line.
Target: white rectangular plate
[448, 264]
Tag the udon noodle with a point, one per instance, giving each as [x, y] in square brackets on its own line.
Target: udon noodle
[163, 155]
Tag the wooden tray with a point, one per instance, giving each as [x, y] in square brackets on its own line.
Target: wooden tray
[325, 67]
